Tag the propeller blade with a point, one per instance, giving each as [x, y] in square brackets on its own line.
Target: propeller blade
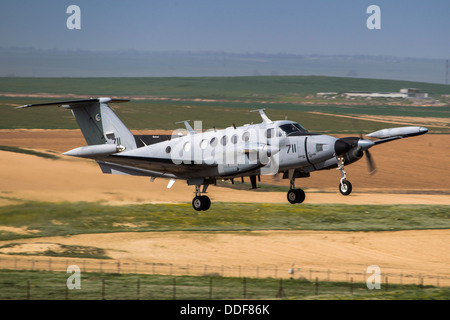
[370, 163]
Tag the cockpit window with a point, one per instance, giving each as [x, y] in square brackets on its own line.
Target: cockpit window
[292, 128]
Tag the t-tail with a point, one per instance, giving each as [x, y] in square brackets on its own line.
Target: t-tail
[104, 132]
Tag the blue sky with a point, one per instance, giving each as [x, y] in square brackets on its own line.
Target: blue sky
[408, 28]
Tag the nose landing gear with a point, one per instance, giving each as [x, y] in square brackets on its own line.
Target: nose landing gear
[345, 187]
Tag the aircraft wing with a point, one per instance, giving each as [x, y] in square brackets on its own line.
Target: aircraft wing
[151, 166]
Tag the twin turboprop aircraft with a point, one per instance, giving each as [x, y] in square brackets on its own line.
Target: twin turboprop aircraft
[203, 157]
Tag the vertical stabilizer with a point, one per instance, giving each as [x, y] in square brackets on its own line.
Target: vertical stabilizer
[98, 123]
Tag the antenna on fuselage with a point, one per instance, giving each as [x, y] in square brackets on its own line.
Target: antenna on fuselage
[264, 117]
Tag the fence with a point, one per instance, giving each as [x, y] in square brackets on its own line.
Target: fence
[51, 286]
[113, 287]
[276, 271]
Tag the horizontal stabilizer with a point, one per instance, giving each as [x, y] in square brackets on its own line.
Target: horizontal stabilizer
[74, 103]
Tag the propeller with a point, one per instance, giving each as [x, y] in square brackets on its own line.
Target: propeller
[365, 144]
[370, 163]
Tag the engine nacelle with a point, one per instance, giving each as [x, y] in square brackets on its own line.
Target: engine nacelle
[353, 155]
[398, 132]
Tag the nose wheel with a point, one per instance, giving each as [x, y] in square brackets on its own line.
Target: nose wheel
[345, 187]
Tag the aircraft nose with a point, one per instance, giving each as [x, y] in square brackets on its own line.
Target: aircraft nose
[341, 147]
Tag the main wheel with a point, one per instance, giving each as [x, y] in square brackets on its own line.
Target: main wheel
[296, 196]
[206, 203]
[345, 187]
[200, 203]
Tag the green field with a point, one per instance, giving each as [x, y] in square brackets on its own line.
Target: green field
[44, 285]
[81, 218]
[229, 100]
[236, 88]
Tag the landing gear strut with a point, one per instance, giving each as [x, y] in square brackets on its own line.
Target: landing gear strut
[345, 187]
[200, 203]
[294, 195]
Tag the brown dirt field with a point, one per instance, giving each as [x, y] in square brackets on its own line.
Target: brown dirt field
[397, 120]
[410, 171]
[416, 174]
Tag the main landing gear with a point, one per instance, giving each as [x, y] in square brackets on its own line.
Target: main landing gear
[345, 187]
[294, 195]
[201, 203]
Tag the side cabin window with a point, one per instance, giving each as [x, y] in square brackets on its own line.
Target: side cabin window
[246, 136]
[224, 140]
[213, 142]
[270, 133]
[203, 144]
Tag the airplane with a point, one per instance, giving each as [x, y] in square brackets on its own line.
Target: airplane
[204, 157]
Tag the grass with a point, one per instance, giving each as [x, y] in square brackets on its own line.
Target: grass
[45, 285]
[253, 88]
[57, 219]
[69, 251]
[140, 115]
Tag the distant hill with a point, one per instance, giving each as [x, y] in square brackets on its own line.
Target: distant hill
[31, 62]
